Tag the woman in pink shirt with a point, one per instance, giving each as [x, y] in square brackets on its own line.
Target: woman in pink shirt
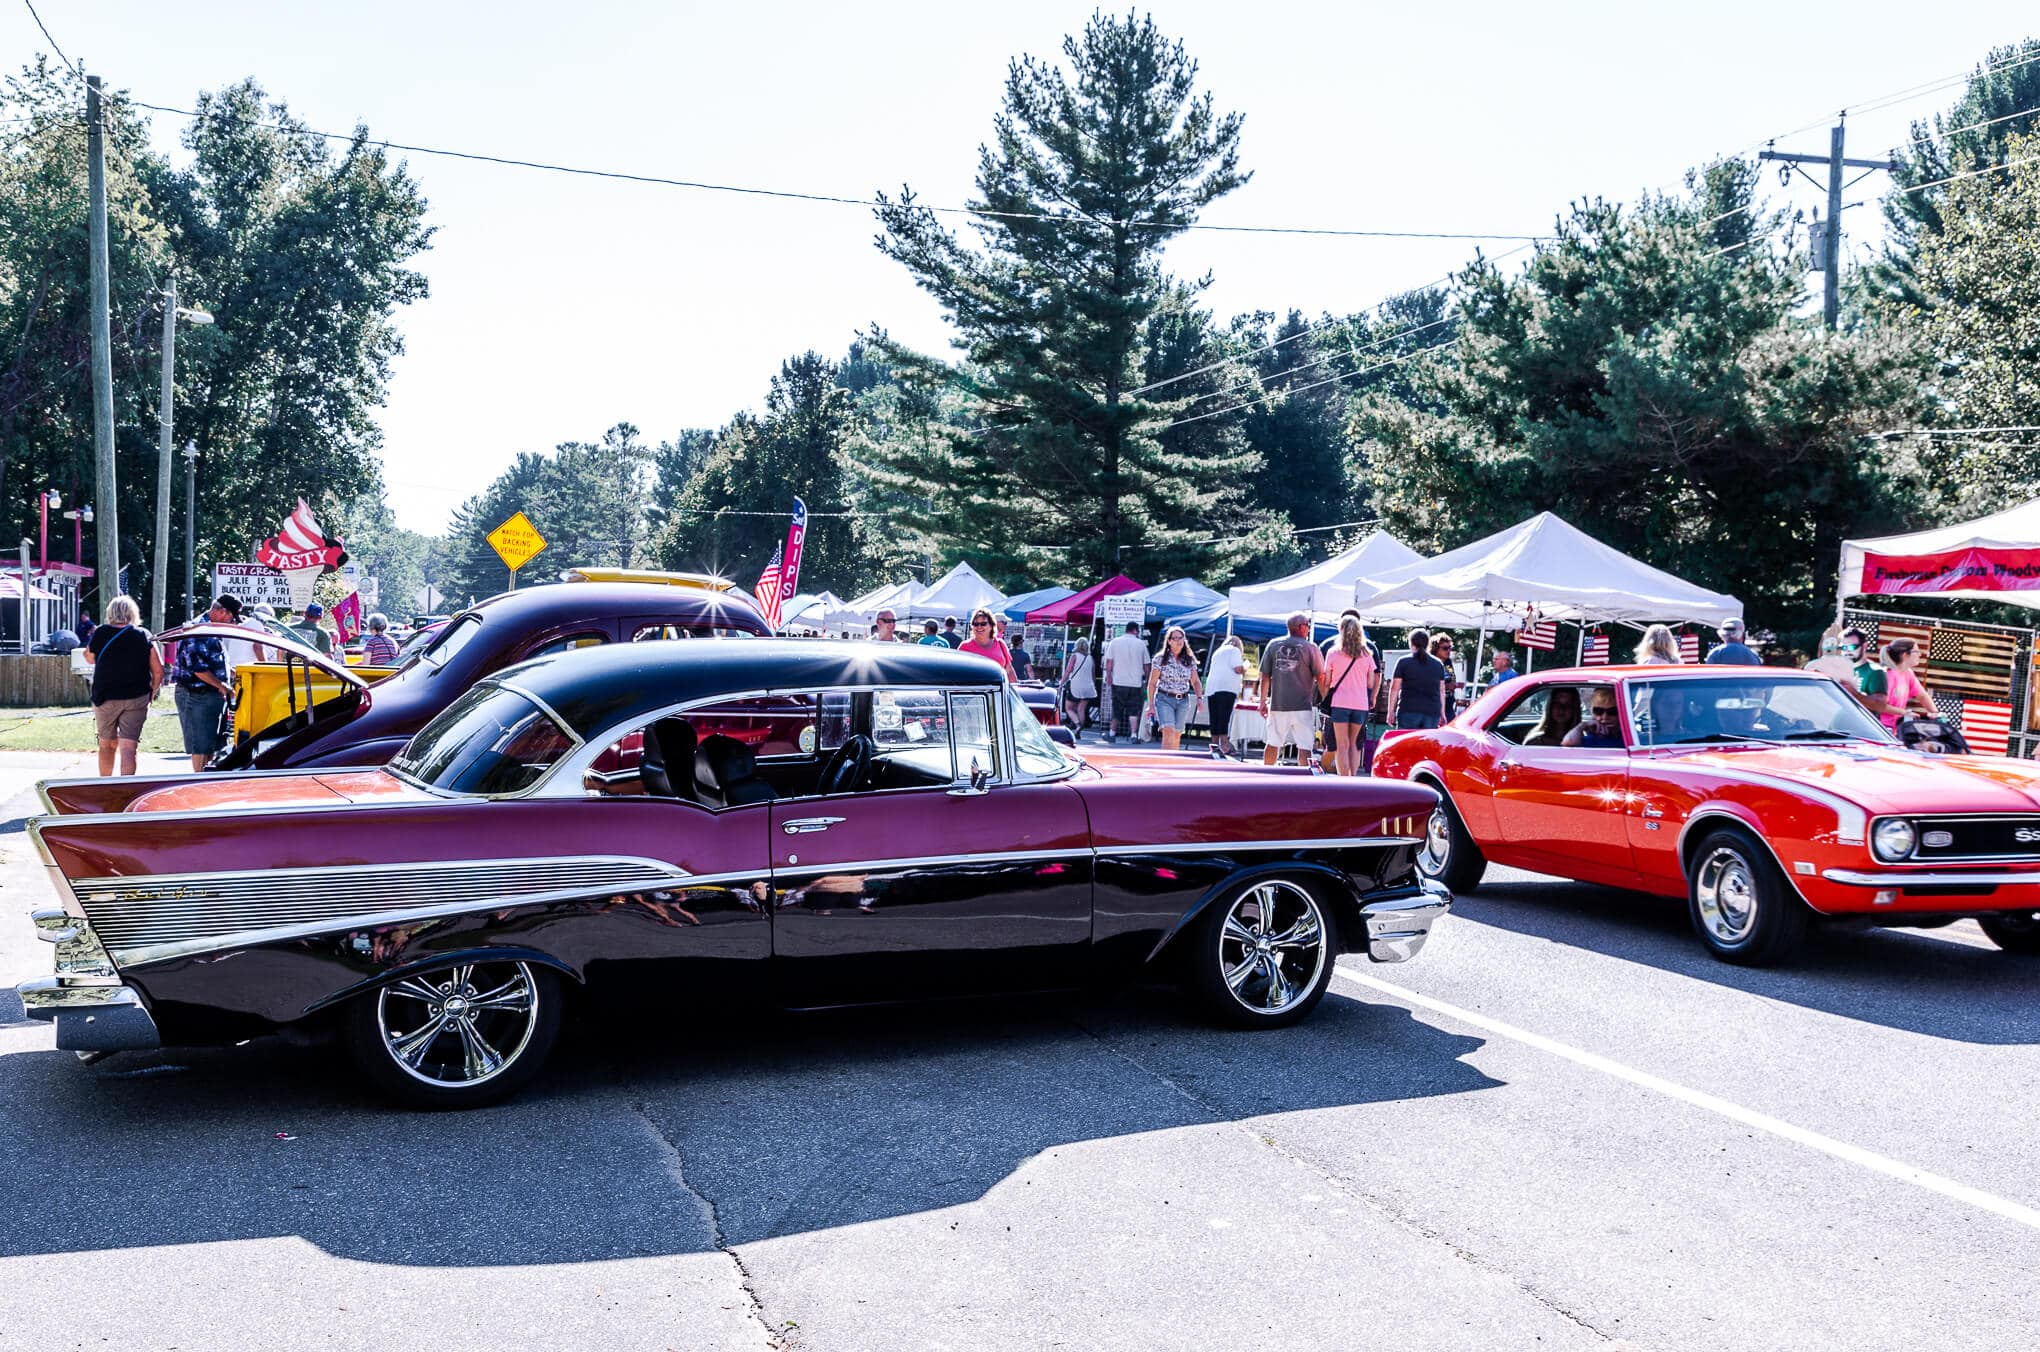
[983, 643]
[1350, 679]
[1904, 696]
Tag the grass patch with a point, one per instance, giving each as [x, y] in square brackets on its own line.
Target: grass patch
[72, 729]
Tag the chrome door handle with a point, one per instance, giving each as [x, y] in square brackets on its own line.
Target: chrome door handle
[801, 826]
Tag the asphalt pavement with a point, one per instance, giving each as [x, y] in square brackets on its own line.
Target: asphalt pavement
[1561, 1126]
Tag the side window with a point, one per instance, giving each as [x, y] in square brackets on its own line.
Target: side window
[560, 645]
[652, 633]
[1520, 719]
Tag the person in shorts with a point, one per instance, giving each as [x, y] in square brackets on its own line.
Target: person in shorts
[126, 674]
[1174, 687]
[1350, 680]
[1416, 692]
[202, 686]
[1291, 669]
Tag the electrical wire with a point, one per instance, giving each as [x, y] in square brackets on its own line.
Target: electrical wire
[75, 72]
[1299, 389]
[1974, 126]
[793, 195]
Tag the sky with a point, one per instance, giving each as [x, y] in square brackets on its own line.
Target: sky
[563, 305]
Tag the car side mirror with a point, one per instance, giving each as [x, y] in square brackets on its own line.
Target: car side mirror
[1062, 735]
[980, 780]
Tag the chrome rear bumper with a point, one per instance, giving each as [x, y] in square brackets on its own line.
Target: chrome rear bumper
[93, 1018]
[1398, 926]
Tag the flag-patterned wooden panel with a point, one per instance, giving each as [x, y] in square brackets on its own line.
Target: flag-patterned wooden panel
[1986, 726]
[1976, 662]
[1596, 654]
[1689, 647]
[1542, 635]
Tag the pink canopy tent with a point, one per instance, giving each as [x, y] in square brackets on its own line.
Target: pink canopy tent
[1077, 609]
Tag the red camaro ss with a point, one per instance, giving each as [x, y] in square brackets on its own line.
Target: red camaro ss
[1768, 797]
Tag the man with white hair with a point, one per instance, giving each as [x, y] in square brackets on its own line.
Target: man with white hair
[1291, 671]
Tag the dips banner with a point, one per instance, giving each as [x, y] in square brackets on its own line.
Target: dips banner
[1977, 569]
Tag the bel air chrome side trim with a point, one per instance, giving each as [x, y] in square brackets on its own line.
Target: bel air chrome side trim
[1240, 846]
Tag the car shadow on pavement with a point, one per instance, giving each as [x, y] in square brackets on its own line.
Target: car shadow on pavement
[1906, 980]
[780, 1123]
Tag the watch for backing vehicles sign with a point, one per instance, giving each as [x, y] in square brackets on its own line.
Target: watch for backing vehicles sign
[254, 583]
[517, 542]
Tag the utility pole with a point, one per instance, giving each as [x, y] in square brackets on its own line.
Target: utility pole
[159, 573]
[104, 490]
[1831, 237]
[159, 569]
[190, 526]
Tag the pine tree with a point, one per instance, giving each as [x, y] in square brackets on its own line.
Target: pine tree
[1060, 464]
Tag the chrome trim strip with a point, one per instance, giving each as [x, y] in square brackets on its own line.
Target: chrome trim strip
[926, 861]
[1221, 847]
[371, 870]
[1993, 878]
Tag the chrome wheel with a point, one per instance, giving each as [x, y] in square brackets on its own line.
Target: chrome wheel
[459, 1026]
[1725, 894]
[1436, 852]
[1272, 946]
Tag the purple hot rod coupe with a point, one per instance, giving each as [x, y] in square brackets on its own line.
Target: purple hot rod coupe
[912, 829]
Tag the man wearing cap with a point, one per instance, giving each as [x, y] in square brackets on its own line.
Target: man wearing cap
[1731, 651]
[309, 630]
[202, 687]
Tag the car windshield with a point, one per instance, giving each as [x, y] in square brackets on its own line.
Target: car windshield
[1752, 709]
[491, 740]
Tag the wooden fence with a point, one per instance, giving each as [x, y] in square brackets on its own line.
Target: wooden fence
[40, 679]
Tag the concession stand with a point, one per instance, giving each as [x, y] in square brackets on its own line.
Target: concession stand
[1985, 678]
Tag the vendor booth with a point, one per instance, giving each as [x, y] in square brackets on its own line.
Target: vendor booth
[1016, 607]
[1323, 589]
[1050, 627]
[1983, 677]
[1169, 602]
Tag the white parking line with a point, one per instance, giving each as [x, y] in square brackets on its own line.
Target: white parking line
[1735, 1112]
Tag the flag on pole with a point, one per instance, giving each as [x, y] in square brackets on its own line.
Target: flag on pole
[768, 587]
[1542, 635]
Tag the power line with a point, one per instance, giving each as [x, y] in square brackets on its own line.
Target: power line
[1950, 431]
[1974, 126]
[75, 72]
[794, 195]
[1299, 389]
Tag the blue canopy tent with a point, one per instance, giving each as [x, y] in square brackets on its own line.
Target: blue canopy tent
[1211, 620]
[1016, 607]
[1168, 602]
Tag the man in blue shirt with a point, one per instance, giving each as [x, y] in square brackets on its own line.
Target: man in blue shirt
[1731, 651]
[202, 686]
[1505, 667]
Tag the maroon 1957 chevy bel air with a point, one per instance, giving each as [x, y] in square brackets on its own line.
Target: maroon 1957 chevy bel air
[920, 833]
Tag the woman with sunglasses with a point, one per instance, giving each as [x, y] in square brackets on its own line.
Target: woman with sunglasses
[1603, 727]
[983, 643]
[1174, 687]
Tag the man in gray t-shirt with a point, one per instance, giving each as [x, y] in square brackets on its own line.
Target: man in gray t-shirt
[1290, 670]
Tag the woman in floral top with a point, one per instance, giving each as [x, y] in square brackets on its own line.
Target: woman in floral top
[1174, 687]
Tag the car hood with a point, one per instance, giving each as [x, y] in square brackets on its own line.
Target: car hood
[268, 638]
[1885, 778]
[1173, 766]
[264, 792]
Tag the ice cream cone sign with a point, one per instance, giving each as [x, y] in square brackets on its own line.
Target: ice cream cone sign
[302, 552]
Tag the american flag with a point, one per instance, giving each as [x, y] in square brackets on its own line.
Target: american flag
[768, 587]
[1987, 726]
[1689, 647]
[1596, 651]
[1542, 635]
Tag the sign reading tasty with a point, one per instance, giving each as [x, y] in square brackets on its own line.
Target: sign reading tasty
[1993, 570]
[517, 542]
[254, 583]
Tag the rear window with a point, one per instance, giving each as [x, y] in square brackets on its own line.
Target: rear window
[490, 740]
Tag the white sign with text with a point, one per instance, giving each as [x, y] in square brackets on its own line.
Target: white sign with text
[1116, 612]
[254, 583]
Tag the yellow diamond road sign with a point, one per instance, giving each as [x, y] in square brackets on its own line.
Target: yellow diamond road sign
[517, 541]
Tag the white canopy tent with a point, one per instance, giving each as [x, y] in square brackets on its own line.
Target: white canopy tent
[1323, 589]
[1554, 567]
[865, 606]
[956, 593]
[1994, 558]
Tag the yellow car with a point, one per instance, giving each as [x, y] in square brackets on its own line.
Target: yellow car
[700, 581]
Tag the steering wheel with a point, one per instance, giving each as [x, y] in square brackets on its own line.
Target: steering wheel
[846, 768]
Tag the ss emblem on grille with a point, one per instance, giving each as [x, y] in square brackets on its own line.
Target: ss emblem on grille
[1938, 840]
[2027, 835]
